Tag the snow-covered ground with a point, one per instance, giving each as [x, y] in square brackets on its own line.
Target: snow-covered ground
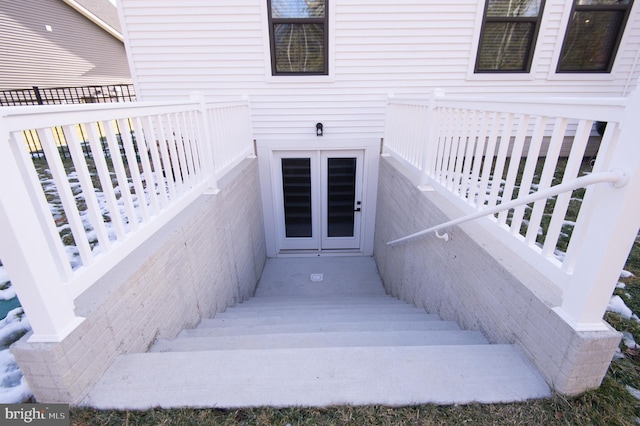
[13, 387]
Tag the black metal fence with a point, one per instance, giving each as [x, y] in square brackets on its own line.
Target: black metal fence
[68, 95]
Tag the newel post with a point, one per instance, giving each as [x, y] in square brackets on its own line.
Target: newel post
[35, 272]
[206, 141]
[611, 226]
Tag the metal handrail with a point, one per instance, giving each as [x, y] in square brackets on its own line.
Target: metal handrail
[617, 177]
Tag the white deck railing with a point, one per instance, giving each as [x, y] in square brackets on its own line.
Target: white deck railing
[481, 153]
[137, 165]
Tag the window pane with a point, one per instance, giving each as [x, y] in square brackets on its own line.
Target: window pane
[504, 46]
[341, 196]
[510, 8]
[299, 48]
[297, 8]
[296, 186]
[590, 41]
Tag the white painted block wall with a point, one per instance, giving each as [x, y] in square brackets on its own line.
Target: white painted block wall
[209, 257]
[480, 285]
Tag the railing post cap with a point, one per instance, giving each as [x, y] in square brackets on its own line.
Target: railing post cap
[439, 92]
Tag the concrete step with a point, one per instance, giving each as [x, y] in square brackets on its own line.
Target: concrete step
[293, 306]
[312, 327]
[321, 340]
[319, 300]
[319, 377]
[313, 317]
[327, 310]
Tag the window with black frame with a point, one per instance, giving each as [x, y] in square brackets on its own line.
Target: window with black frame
[298, 37]
[508, 36]
[593, 35]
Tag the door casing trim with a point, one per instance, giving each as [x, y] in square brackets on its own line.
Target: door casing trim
[267, 161]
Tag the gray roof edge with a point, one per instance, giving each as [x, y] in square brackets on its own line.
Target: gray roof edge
[101, 12]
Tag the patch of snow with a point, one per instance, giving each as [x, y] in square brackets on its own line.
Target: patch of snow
[617, 305]
[621, 285]
[15, 323]
[626, 274]
[629, 340]
[633, 391]
[13, 386]
[6, 291]
[559, 254]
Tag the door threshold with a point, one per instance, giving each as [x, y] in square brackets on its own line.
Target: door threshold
[319, 253]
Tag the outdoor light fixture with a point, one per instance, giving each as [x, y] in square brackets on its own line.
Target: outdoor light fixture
[319, 129]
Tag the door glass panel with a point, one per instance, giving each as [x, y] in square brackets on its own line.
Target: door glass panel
[341, 181]
[296, 187]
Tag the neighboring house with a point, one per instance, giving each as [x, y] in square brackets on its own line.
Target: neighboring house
[61, 43]
[317, 86]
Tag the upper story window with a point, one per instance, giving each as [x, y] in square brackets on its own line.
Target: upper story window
[298, 37]
[593, 35]
[508, 37]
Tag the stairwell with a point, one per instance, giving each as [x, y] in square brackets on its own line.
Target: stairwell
[319, 331]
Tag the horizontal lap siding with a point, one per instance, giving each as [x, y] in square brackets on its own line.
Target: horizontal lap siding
[75, 53]
[214, 47]
[405, 48]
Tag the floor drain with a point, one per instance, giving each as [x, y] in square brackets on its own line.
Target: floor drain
[316, 277]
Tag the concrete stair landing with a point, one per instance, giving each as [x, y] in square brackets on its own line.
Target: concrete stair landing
[307, 343]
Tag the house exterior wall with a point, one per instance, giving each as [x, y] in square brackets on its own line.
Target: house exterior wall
[473, 280]
[209, 257]
[76, 52]
[376, 48]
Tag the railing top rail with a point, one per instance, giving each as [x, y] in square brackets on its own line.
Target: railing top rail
[23, 118]
[58, 108]
[609, 109]
[226, 104]
[616, 177]
[7, 111]
[409, 101]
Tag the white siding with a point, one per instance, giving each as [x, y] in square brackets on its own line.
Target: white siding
[381, 47]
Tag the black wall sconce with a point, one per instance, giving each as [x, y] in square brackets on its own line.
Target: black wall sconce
[319, 129]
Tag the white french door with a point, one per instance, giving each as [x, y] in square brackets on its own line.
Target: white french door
[318, 199]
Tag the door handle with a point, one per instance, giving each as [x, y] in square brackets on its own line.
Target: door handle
[357, 209]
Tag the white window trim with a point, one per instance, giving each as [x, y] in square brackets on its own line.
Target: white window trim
[289, 79]
[501, 76]
[582, 76]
